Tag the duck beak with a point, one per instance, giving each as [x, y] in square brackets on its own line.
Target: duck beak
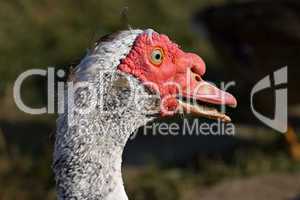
[201, 97]
[202, 100]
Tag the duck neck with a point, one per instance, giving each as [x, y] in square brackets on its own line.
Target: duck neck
[88, 156]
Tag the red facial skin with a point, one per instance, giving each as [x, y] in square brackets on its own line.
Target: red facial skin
[175, 66]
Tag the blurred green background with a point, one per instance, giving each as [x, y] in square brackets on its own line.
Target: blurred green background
[255, 163]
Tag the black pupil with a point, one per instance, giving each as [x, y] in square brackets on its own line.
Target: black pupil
[157, 56]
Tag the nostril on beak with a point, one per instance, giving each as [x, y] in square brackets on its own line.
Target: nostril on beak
[198, 78]
[195, 73]
[194, 69]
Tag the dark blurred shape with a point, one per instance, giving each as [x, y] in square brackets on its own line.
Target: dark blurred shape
[255, 38]
[296, 198]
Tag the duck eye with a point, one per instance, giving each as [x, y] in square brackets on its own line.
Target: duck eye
[157, 56]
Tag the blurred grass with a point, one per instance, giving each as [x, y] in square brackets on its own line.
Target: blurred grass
[153, 183]
[28, 176]
[39, 33]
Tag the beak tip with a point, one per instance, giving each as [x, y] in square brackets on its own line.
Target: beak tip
[232, 101]
[234, 104]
